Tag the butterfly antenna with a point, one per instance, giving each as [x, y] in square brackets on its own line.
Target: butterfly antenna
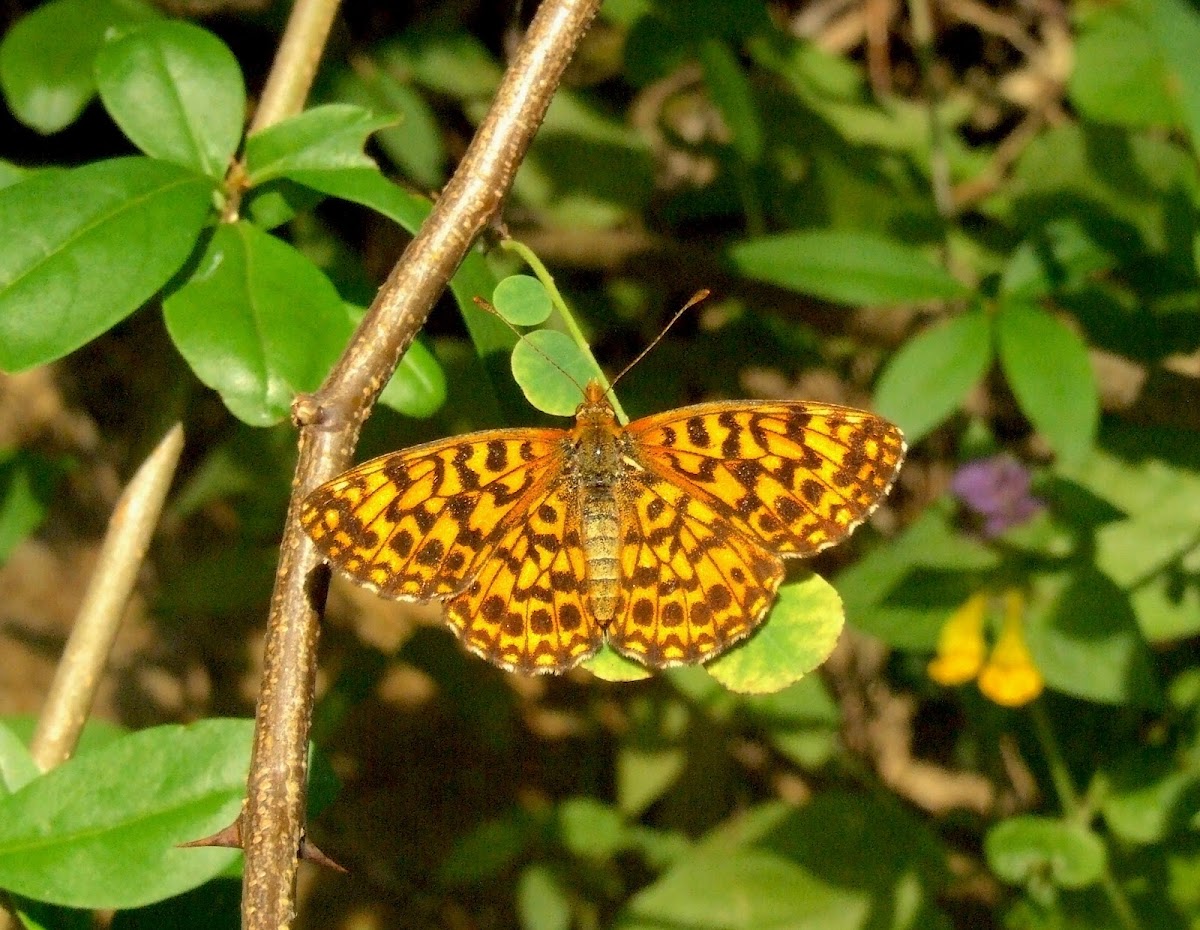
[488, 307]
[692, 301]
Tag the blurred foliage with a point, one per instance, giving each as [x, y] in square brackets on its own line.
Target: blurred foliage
[979, 219]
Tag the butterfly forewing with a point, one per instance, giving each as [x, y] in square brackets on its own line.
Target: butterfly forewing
[418, 524]
[797, 477]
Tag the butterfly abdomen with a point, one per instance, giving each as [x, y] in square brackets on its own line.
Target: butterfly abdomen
[595, 461]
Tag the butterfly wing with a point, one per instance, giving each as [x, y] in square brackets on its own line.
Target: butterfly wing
[693, 584]
[419, 524]
[526, 610]
[797, 477]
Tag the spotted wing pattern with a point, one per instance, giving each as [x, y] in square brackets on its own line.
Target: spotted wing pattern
[419, 524]
[527, 609]
[708, 500]
[796, 477]
[693, 583]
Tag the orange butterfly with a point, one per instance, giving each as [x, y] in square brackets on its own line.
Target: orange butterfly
[665, 537]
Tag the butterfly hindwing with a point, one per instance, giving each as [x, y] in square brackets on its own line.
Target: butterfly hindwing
[527, 609]
[692, 583]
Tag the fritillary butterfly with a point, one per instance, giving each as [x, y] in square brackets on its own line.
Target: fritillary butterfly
[665, 537]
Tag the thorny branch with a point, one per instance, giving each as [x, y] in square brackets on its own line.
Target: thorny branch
[330, 419]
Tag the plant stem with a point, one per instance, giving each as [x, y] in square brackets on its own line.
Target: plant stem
[565, 314]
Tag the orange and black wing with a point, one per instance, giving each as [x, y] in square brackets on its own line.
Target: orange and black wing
[692, 583]
[420, 523]
[797, 477]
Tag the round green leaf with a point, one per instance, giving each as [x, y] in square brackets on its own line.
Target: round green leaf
[1028, 849]
[95, 244]
[522, 300]
[103, 829]
[552, 371]
[1048, 369]
[257, 322]
[418, 388]
[610, 665]
[798, 635]
[175, 90]
[848, 267]
[46, 58]
[927, 380]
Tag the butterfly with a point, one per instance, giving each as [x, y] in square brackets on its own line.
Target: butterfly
[665, 538]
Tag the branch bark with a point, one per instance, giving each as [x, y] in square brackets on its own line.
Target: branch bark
[330, 419]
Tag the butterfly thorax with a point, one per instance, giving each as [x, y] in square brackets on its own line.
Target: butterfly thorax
[598, 459]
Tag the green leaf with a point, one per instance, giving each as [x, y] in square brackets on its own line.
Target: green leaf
[323, 138]
[522, 300]
[542, 903]
[552, 371]
[798, 635]
[27, 483]
[489, 849]
[741, 889]
[46, 58]
[175, 90]
[1086, 642]
[257, 322]
[902, 593]
[929, 377]
[590, 828]
[1048, 369]
[418, 388]
[848, 267]
[610, 665]
[1022, 850]
[730, 91]
[1059, 255]
[17, 768]
[1138, 469]
[98, 242]
[1176, 25]
[492, 339]
[96, 734]
[415, 145]
[102, 830]
[645, 773]
[1150, 796]
[1119, 75]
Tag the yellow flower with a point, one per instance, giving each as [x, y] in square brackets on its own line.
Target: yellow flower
[1010, 678]
[960, 645]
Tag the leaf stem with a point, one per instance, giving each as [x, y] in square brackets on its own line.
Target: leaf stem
[564, 312]
[1075, 809]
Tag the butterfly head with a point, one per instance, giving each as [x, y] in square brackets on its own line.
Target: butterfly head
[596, 407]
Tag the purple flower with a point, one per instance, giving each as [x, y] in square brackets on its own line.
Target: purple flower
[997, 489]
